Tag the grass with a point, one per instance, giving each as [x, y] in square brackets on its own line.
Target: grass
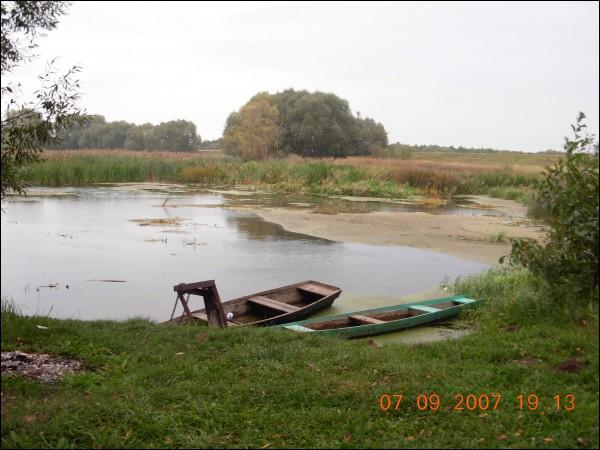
[535, 161]
[148, 385]
[498, 237]
[355, 176]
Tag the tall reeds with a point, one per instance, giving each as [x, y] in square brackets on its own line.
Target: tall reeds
[357, 176]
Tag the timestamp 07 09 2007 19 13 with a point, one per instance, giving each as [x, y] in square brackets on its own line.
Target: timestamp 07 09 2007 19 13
[477, 402]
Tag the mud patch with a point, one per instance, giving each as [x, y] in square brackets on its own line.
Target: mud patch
[570, 366]
[38, 366]
[467, 238]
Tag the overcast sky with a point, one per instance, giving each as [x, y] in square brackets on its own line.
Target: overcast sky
[500, 75]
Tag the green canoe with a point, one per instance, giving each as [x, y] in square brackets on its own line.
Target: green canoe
[383, 320]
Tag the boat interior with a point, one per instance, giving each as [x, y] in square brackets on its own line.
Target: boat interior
[356, 320]
[272, 303]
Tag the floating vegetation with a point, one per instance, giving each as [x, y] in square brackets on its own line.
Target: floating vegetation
[49, 286]
[476, 205]
[194, 243]
[173, 221]
[164, 240]
[110, 281]
[432, 202]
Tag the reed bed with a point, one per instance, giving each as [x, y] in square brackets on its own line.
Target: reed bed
[357, 176]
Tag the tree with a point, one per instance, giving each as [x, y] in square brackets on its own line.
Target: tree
[569, 201]
[372, 136]
[300, 122]
[175, 135]
[26, 127]
[253, 132]
[139, 137]
[399, 150]
[315, 124]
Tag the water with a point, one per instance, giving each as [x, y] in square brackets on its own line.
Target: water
[74, 241]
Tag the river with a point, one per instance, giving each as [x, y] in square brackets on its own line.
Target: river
[115, 253]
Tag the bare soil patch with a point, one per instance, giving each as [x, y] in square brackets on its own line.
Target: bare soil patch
[38, 366]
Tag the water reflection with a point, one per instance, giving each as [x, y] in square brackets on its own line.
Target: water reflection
[254, 228]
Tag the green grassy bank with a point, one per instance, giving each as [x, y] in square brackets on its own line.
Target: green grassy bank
[351, 176]
[147, 385]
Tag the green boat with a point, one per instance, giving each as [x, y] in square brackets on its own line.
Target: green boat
[383, 320]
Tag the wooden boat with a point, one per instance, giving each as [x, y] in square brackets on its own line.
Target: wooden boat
[276, 306]
[384, 320]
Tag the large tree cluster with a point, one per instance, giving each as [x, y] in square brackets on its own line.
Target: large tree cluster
[302, 123]
[175, 135]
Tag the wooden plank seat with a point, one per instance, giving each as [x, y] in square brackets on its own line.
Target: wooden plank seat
[366, 320]
[203, 317]
[200, 316]
[423, 308]
[273, 304]
[463, 301]
[315, 289]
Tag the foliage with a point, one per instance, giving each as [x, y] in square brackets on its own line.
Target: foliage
[371, 138]
[215, 144]
[428, 148]
[253, 132]
[299, 122]
[317, 124]
[175, 135]
[512, 294]
[568, 196]
[398, 150]
[27, 127]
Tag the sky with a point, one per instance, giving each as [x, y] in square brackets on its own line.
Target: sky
[500, 75]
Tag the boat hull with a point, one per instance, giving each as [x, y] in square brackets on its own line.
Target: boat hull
[260, 309]
[341, 325]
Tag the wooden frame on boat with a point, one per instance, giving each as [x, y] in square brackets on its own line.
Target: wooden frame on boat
[275, 306]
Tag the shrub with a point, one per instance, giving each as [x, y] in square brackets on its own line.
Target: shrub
[568, 198]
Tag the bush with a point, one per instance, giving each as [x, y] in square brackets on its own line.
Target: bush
[568, 200]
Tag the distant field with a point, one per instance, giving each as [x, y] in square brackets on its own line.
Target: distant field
[495, 159]
[503, 158]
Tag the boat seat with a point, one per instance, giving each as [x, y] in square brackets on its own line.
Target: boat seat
[314, 289]
[366, 320]
[200, 316]
[298, 328]
[203, 317]
[273, 304]
[463, 300]
[425, 309]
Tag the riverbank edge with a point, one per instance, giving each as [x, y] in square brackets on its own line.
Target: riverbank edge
[147, 385]
[480, 238]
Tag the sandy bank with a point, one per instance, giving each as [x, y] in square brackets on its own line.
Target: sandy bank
[464, 236]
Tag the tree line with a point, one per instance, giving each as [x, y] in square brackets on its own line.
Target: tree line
[96, 132]
[301, 123]
[403, 148]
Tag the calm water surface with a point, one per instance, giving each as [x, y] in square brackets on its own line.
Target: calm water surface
[74, 241]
